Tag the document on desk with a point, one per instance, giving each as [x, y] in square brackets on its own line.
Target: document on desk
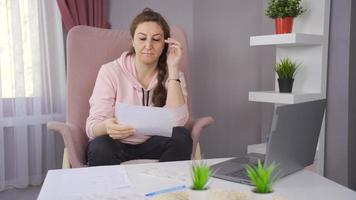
[84, 183]
[104, 183]
[146, 120]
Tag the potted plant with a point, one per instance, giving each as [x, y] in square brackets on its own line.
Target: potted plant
[283, 12]
[201, 173]
[286, 70]
[263, 180]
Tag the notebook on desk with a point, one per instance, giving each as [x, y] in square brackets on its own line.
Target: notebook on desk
[292, 145]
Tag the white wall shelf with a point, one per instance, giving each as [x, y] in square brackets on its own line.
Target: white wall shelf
[287, 40]
[283, 98]
[307, 45]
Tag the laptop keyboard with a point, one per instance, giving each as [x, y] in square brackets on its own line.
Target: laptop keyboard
[230, 171]
[243, 160]
[242, 174]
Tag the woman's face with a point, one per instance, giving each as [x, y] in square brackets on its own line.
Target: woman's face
[148, 42]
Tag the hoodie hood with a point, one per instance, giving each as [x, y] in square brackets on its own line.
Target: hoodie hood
[127, 64]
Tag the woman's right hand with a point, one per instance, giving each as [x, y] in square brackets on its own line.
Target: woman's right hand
[116, 130]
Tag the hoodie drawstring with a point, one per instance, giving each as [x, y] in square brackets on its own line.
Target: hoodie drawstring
[143, 97]
[148, 97]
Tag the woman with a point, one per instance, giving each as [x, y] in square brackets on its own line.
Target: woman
[147, 75]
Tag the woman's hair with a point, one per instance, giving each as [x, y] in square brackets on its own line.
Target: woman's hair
[147, 15]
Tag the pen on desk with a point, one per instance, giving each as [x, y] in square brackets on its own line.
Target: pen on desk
[172, 189]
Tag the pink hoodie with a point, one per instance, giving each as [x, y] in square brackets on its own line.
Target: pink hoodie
[117, 82]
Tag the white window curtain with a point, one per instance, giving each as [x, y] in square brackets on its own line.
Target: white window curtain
[32, 90]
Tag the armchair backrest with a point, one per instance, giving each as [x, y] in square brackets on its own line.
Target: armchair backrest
[87, 49]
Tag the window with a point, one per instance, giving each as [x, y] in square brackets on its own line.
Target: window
[19, 49]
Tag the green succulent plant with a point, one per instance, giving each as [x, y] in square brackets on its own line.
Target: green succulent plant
[201, 173]
[284, 8]
[262, 178]
[286, 68]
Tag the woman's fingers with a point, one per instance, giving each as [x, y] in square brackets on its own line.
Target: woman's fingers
[128, 131]
[118, 131]
[122, 127]
[175, 45]
[121, 136]
[175, 49]
[173, 42]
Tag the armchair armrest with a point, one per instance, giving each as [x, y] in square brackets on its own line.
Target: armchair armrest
[198, 124]
[74, 140]
[195, 126]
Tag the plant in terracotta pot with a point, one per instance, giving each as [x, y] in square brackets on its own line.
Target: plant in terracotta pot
[263, 179]
[201, 174]
[286, 70]
[283, 12]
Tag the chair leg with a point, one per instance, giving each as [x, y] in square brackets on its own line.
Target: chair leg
[65, 164]
[197, 153]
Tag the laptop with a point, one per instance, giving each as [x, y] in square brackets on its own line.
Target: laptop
[292, 144]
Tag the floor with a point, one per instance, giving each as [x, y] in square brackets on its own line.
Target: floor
[29, 193]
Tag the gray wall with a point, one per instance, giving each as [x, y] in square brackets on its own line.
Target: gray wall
[225, 69]
[352, 100]
[223, 65]
[340, 150]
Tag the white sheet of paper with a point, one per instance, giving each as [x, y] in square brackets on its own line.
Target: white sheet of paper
[168, 173]
[146, 120]
[129, 193]
[94, 180]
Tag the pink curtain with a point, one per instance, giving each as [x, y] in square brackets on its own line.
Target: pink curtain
[84, 12]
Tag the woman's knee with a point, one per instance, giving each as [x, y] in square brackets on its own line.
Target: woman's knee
[181, 138]
[103, 150]
[182, 134]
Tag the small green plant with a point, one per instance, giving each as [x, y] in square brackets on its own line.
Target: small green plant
[284, 8]
[286, 68]
[262, 178]
[201, 173]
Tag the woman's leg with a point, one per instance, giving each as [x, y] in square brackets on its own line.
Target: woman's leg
[177, 147]
[104, 150]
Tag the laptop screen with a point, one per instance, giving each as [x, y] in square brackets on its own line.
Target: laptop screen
[292, 144]
[294, 135]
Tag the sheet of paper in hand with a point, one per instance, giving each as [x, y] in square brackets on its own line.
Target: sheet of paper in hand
[146, 120]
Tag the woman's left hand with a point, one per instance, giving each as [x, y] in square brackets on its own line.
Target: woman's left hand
[174, 54]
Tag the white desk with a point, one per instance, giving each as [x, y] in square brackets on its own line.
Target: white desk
[299, 186]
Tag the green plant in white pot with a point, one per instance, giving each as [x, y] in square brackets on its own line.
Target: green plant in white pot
[263, 179]
[201, 174]
[286, 70]
[283, 12]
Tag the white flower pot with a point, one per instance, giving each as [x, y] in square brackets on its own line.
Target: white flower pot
[262, 196]
[198, 194]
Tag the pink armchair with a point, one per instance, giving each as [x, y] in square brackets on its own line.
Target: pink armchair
[87, 49]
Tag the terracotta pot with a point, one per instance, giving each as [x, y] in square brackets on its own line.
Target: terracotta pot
[283, 25]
